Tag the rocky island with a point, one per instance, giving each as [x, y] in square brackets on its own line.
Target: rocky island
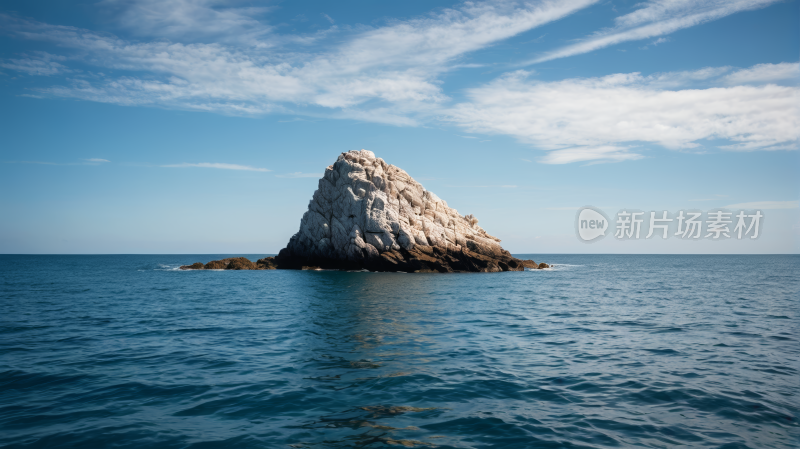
[369, 215]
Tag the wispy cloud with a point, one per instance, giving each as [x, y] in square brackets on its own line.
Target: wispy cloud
[591, 154]
[94, 159]
[192, 21]
[387, 74]
[765, 205]
[204, 55]
[606, 119]
[655, 18]
[217, 166]
[40, 63]
[762, 73]
[656, 42]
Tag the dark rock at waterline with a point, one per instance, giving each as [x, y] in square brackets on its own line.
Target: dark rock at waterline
[234, 263]
[421, 259]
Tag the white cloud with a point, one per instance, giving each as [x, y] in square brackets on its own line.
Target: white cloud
[394, 65]
[300, 175]
[656, 18]
[94, 159]
[218, 165]
[42, 64]
[593, 154]
[208, 56]
[658, 41]
[439, 39]
[765, 205]
[765, 73]
[685, 78]
[604, 119]
[194, 20]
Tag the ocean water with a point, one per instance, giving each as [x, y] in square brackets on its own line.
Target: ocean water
[601, 351]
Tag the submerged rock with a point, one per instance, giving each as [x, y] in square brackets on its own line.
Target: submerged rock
[367, 214]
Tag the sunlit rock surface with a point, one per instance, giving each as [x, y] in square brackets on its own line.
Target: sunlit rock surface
[367, 214]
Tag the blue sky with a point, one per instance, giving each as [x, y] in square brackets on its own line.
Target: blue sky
[177, 126]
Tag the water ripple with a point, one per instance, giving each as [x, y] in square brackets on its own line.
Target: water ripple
[600, 351]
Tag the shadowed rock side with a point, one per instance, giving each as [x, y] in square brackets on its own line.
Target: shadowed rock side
[367, 214]
[420, 260]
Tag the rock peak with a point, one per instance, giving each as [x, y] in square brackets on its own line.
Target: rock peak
[370, 214]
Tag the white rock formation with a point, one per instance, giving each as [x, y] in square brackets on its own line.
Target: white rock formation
[364, 207]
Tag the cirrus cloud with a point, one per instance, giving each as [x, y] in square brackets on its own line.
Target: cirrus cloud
[396, 65]
[40, 63]
[655, 18]
[208, 56]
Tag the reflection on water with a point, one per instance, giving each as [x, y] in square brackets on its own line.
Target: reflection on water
[364, 333]
[363, 429]
[601, 351]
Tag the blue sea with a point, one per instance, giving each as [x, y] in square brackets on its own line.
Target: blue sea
[619, 351]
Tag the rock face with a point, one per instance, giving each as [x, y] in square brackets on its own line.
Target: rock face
[367, 214]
